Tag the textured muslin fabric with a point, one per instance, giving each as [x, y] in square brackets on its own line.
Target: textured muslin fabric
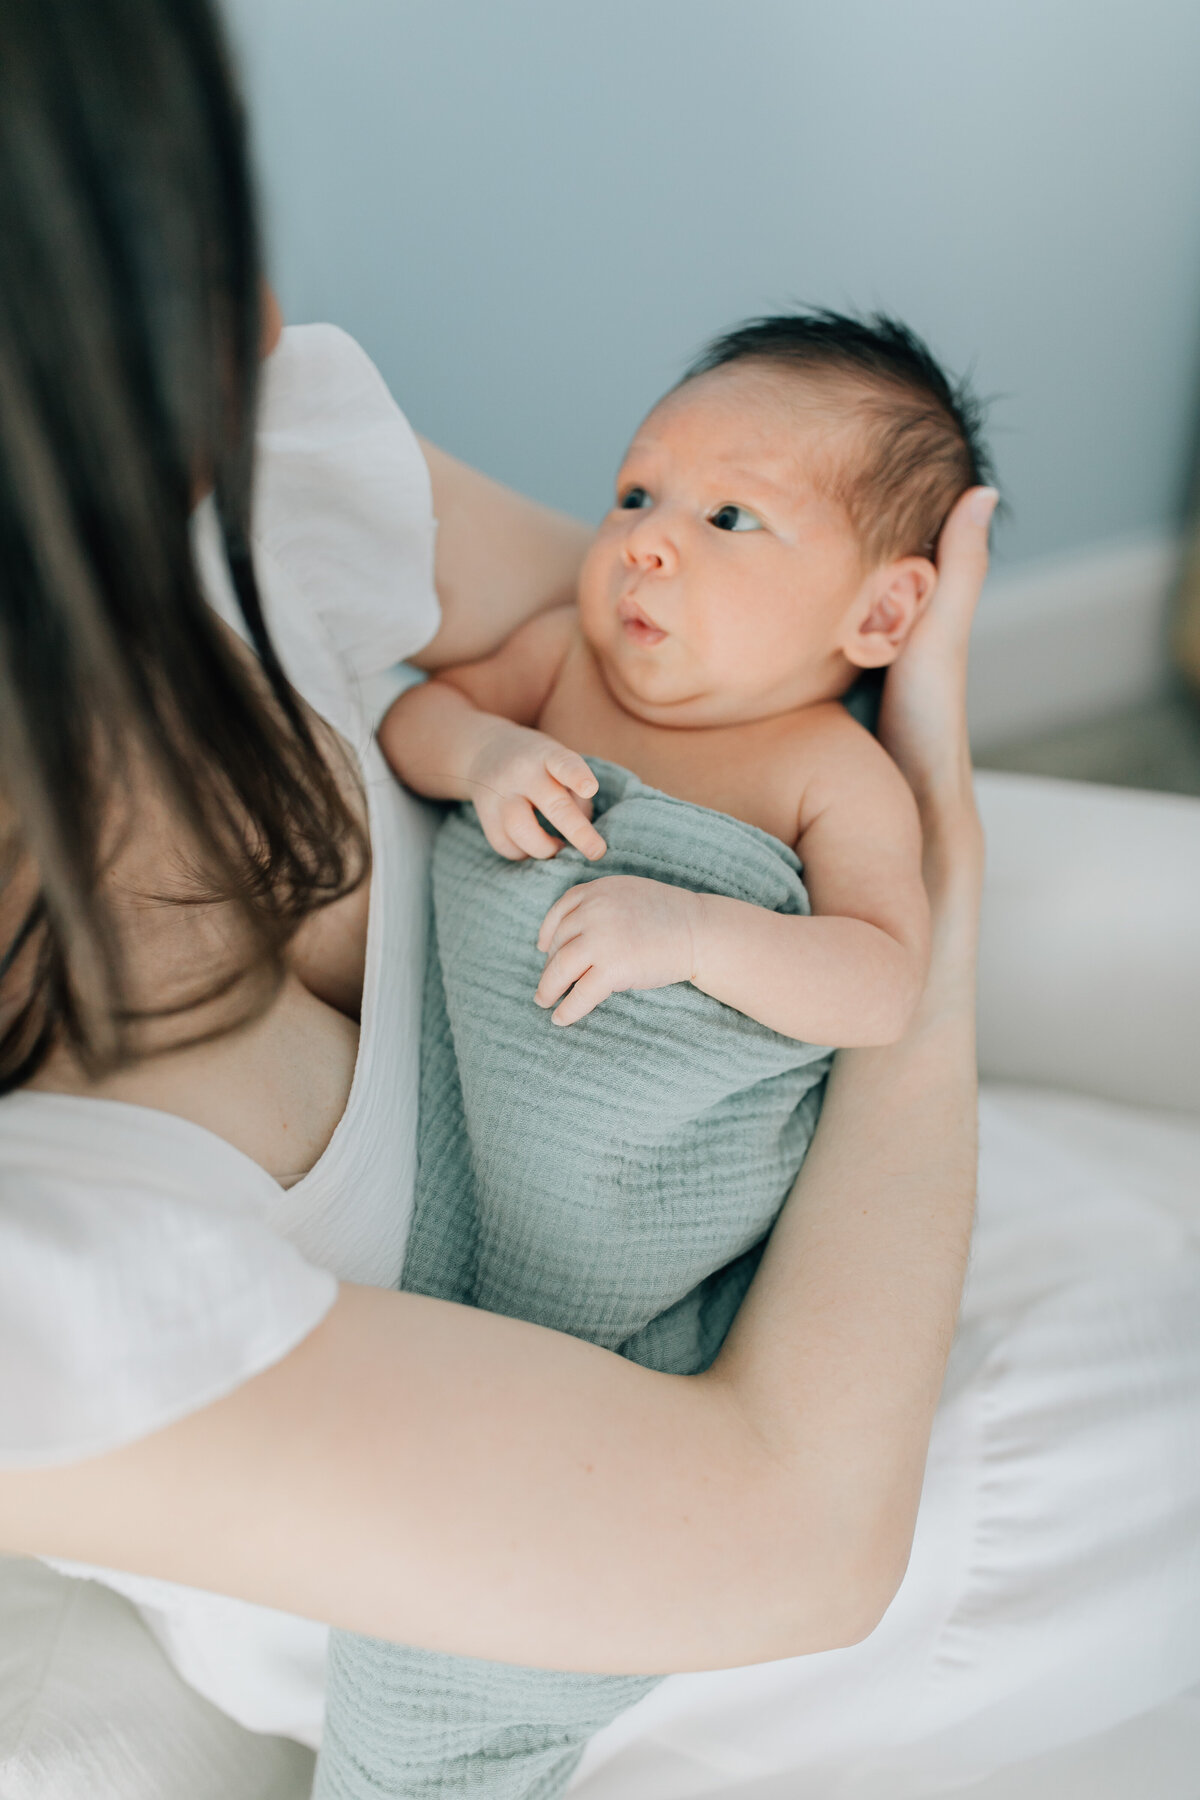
[614, 1179]
[407, 1724]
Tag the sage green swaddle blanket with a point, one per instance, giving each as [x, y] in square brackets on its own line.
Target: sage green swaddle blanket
[614, 1179]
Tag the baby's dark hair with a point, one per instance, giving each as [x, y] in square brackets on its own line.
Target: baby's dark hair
[923, 433]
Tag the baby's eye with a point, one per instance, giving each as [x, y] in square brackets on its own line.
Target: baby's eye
[634, 499]
[735, 518]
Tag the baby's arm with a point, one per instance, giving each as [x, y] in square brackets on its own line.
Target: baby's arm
[467, 734]
[850, 975]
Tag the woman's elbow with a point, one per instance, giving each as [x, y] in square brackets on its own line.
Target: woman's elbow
[827, 1589]
[871, 1592]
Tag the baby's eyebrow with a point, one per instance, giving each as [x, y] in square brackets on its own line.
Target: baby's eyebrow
[784, 485]
[756, 479]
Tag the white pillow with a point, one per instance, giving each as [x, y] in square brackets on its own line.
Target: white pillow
[90, 1708]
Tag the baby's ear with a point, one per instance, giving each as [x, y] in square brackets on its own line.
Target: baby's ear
[891, 600]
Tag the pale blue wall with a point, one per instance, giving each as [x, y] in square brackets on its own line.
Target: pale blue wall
[532, 211]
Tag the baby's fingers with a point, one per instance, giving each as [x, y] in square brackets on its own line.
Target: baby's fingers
[563, 968]
[591, 988]
[569, 768]
[565, 812]
[566, 903]
[522, 827]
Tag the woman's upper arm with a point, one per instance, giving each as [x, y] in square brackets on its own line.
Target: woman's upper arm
[516, 680]
[438, 1475]
[499, 559]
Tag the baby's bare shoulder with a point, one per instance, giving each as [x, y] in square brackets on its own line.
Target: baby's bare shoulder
[825, 736]
[838, 761]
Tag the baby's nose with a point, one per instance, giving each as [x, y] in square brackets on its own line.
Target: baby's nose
[649, 547]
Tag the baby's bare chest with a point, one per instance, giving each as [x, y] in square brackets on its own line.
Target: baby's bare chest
[756, 772]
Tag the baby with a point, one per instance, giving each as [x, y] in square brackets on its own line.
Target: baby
[773, 536]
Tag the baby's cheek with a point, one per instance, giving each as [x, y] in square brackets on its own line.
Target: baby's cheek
[762, 648]
[736, 648]
[597, 598]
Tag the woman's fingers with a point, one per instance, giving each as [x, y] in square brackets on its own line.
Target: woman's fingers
[962, 560]
[922, 717]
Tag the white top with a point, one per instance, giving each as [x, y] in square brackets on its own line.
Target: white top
[146, 1266]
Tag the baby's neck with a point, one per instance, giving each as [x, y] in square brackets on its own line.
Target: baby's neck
[748, 768]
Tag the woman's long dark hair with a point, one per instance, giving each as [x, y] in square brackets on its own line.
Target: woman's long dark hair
[129, 341]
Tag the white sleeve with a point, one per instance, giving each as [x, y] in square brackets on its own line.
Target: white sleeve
[343, 501]
[124, 1307]
[343, 527]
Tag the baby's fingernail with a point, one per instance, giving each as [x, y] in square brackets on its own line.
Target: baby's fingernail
[983, 505]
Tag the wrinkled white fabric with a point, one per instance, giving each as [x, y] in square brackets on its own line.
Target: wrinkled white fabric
[90, 1708]
[146, 1266]
[1054, 1587]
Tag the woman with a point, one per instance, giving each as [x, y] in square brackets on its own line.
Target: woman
[210, 920]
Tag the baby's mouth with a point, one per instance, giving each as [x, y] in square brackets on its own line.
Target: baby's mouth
[638, 625]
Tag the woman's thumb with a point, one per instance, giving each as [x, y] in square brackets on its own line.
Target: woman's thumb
[962, 551]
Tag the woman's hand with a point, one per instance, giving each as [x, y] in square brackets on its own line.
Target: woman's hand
[923, 717]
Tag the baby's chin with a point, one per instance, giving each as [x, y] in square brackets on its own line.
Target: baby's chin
[650, 690]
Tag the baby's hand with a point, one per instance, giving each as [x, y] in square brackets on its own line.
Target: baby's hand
[514, 770]
[621, 931]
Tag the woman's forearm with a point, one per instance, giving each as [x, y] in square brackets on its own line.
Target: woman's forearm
[449, 1478]
[858, 1294]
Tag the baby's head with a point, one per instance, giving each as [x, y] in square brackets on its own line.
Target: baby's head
[776, 520]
